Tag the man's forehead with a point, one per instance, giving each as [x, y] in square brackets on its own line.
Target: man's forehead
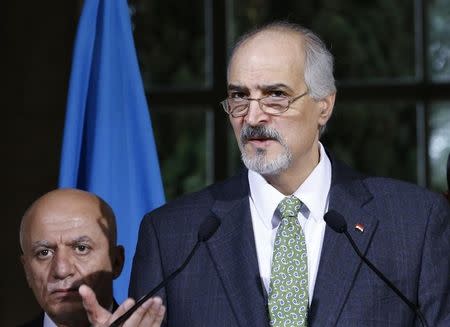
[75, 213]
[267, 57]
[66, 219]
[56, 225]
[60, 234]
[277, 41]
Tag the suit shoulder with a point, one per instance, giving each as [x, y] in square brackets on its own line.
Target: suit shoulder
[408, 199]
[385, 191]
[200, 202]
[393, 187]
[36, 322]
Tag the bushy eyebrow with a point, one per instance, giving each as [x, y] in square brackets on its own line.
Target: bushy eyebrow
[276, 86]
[41, 243]
[81, 239]
[264, 88]
[239, 88]
[47, 244]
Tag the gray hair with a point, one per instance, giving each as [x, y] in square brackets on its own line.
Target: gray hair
[319, 61]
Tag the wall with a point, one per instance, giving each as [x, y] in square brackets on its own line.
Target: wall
[36, 47]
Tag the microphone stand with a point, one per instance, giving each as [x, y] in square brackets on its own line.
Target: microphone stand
[412, 306]
[127, 314]
[206, 230]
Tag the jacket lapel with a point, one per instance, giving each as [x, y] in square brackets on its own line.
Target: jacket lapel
[233, 252]
[339, 264]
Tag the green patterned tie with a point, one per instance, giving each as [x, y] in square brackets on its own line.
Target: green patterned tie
[288, 290]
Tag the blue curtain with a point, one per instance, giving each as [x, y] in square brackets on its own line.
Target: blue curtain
[108, 145]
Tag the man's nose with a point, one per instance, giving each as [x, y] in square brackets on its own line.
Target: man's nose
[62, 264]
[255, 115]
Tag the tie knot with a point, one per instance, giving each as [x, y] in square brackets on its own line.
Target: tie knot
[290, 206]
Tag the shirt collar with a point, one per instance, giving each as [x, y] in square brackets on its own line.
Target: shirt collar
[313, 192]
[315, 189]
[48, 322]
[265, 197]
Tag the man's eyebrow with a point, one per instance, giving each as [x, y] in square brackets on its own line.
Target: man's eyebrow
[81, 239]
[41, 243]
[262, 87]
[276, 86]
[47, 244]
[234, 87]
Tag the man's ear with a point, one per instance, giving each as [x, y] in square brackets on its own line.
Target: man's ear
[118, 261]
[326, 106]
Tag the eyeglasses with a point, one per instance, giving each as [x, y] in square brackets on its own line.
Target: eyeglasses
[272, 105]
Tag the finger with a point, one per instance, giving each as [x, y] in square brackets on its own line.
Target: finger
[143, 316]
[152, 313]
[159, 315]
[96, 313]
[124, 307]
[158, 311]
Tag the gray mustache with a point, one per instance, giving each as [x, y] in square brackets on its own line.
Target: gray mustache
[259, 132]
[64, 284]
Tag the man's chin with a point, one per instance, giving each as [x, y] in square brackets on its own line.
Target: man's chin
[65, 303]
[67, 311]
[264, 164]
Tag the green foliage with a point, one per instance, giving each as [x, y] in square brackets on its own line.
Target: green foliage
[370, 39]
[181, 142]
[439, 147]
[439, 48]
[170, 40]
[378, 139]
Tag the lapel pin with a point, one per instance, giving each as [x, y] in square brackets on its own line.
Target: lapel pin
[359, 228]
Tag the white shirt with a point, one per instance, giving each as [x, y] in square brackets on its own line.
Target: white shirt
[48, 322]
[264, 199]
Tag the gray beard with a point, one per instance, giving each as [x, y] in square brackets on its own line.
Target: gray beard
[260, 164]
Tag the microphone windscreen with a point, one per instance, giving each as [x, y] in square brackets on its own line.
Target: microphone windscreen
[208, 228]
[336, 221]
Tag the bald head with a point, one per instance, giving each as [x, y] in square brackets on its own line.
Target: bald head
[70, 202]
[68, 238]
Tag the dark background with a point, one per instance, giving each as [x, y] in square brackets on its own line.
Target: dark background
[36, 46]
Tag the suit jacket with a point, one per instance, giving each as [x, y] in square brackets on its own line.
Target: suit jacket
[37, 322]
[406, 235]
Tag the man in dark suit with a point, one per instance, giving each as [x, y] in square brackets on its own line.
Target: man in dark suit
[273, 261]
[70, 258]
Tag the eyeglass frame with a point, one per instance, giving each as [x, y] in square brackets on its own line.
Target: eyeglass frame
[291, 100]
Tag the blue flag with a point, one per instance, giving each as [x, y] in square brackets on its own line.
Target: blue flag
[108, 145]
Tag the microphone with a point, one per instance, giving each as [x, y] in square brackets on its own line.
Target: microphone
[207, 229]
[337, 223]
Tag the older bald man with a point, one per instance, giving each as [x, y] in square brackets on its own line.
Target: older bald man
[70, 257]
